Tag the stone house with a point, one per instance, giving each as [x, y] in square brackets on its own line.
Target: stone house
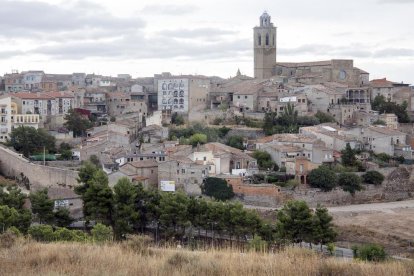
[381, 139]
[187, 174]
[145, 168]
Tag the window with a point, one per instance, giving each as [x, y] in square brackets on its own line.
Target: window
[205, 158]
[152, 171]
[267, 39]
[238, 97]
[245, 97]
[259, 39]
[182, 170]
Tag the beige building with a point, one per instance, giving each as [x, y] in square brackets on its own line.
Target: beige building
[11, 119]
[147, 169]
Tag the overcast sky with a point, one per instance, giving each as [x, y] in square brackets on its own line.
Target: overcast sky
[212, 37]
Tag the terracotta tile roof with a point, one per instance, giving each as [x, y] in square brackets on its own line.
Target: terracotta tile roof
[386, 130]
[305, 64]
[60, 94]
[143, 164]
[32, 96]
[381, 83]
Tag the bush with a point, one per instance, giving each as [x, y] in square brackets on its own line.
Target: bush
[370, 252]
[258, 244]
[138, 243]
[64, 234]
[217, 188]
[383, 157]
[235, 142]
[350, 182]
[42, 233]
[101, 233]
[264, 160]
[322, 178]
[373, 177]
[7, 239]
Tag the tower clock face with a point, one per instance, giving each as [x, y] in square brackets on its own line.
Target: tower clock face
[342, 75]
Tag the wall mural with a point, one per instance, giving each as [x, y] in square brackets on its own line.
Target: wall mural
[173, 95]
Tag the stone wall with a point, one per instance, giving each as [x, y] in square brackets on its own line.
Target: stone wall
[398, 185]
[255, 194]
[14, 165]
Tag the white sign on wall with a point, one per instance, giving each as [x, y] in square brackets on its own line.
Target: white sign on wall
[173, 95]
[288, 99]
[167, 186]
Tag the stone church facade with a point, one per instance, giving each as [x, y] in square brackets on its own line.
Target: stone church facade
[265, 65]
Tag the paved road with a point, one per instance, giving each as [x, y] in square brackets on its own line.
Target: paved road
[386, 207]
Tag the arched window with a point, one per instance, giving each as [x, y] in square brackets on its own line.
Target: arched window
[259, 39]
[274, 40]
[267, 39]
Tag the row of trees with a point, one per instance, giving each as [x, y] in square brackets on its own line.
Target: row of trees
[326, 179]
[386, 106]
[290, 122]
[129, 208]
[13, 213]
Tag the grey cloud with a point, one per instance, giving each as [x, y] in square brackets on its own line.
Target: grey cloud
[396, 1]
[137, 47]
[10, 54]
[394, 52]
[197, 32]
[172, 10]
[28, 19]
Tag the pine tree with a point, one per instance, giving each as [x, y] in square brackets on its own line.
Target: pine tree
[42, 206]
[126, 215]
[322, 227]
[348, 156]
[98, 199]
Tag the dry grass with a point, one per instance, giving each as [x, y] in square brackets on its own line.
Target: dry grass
[31, 258]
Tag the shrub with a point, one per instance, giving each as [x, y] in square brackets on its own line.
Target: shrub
[258, 244]
[7, 239]
[217, 188]
[138, 243]
[64, 234]
[373, 177]
[370, 252]
[323, 178]
[42, 233]
[350, 182]
[102, 233]
[383, 157]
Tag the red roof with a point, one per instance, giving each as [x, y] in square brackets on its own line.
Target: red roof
[32, 96]
[381, 83]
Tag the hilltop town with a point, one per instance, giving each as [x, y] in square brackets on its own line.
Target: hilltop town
[319, 131]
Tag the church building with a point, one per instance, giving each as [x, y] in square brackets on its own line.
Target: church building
[315, 72]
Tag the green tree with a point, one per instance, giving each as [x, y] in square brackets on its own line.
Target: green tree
[322, 227]
[41, 233]
[77, 123]
[174, 212]
[264, 160]
[198, 138]
[370, 252]
[125, 213]
[322, 178]
[222, 132]
[8, 217]
[373, 177]
[324, 117]
[235, 142]
[95, 160]
[383, 106]
[294, 222]
[12, 197]
[42, 206]
[62, 217]
[28, 140]
[348, 156]
[98, 199]
[177, 119]
[217, 188]
[101, 233]
[86, 173]
[350, 182]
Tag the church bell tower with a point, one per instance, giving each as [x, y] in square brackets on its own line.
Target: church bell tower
[264, 48]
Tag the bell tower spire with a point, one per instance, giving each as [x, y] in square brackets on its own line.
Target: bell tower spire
[264, 37]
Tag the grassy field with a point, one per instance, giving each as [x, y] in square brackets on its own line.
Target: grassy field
[32, 258]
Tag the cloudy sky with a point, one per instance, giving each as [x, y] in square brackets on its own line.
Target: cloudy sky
[212, 37]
